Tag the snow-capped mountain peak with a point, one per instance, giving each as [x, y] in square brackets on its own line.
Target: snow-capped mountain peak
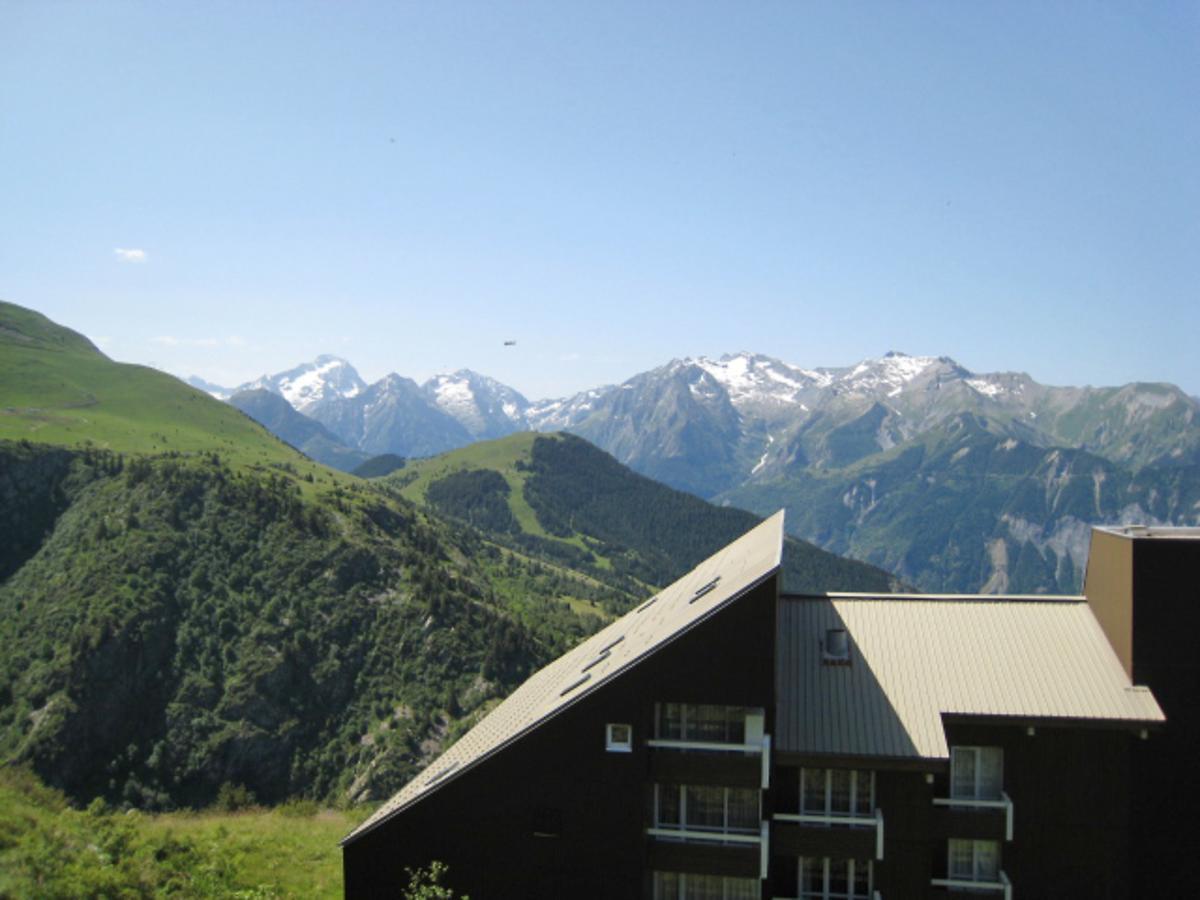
[325, 378]
[482, 405]
[751, 378]
[895, 372]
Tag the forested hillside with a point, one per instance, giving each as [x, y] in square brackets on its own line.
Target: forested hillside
[560, 493]
[183, 625]
[186, 602]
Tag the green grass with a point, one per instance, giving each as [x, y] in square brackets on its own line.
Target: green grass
[50, 850]
[280, 854]
[500, 455]
[55, 388]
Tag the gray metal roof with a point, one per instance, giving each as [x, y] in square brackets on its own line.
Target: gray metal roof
[1173, 532]
[713, 584]
[915, 659]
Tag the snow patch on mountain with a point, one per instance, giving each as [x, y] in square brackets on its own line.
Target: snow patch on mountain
[450, 394]
[766, 452]
[307, 385]
[749, 378]
[564, 412]
[985, 387]
[318, 384]
[890, 375]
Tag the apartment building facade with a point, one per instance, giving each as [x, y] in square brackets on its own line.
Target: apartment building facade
[724, 740]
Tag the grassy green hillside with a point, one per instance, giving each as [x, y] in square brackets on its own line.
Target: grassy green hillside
[56, 388]
[49, 850]
[185, 624]
[562, 495]
[186, 602]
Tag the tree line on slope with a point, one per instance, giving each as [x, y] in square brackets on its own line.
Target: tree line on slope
[173, 624]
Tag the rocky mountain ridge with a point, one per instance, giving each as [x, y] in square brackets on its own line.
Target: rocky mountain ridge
[752, 430]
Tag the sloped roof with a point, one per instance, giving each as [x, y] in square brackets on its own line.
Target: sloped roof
[713, 584]
[917, 658]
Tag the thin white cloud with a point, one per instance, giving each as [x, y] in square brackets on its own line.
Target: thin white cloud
[130, 254]
[170, 340]
[104, 341]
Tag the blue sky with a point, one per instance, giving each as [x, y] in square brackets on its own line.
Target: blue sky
[230, 189]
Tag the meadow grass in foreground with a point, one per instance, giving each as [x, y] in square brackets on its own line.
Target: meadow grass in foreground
[49, 850]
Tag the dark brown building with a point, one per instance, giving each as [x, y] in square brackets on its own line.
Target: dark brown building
[1143, 583]
[726, 741]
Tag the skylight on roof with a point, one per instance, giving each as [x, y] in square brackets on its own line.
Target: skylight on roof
[599, 658]
[574, 684]
[612, 643]
[434, 779]
[705, 589]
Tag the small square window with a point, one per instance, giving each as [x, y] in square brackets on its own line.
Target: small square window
[836, 647]
[618, 738]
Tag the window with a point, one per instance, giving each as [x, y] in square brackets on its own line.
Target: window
[835, 879]
[689, 886]
[976, 773]
[618, 738]
[837, 792]
[974, 860]
[836, 648]
[720, 810]
[699, 722]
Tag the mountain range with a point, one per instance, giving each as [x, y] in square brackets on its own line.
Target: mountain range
[189, 604]
[753, 431]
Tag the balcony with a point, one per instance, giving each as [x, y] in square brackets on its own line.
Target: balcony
[979, 819]
[709, 762]
[824, 834]
[711, 851]
[955, 887]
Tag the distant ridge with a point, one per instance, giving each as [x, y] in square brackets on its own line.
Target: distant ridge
[751, 430]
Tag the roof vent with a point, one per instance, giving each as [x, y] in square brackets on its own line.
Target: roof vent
[601, 657]
[612, 643]
[574, 684]
[705, 589]
[434, 779]
[835, 650]
[647, 604]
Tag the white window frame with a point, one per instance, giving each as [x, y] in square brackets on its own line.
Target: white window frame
[689, 711]
[976, 846]
[681, 889]
[835, 648]
[825, 893]
[612, 743]
[826, 775]
[689, 830]
[976, 754]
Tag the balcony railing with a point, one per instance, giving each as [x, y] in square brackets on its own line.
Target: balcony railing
[837, 819]
[738, 838]
[1003, 885]
[700, 834]
[875, 895]
[763, 748]
[1005, 803]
